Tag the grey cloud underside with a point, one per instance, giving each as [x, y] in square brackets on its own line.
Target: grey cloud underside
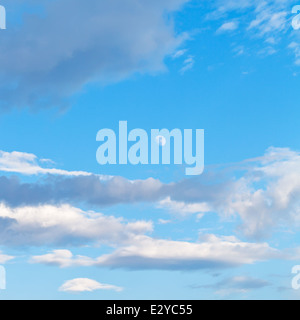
[141, 263]
[70, 43]
[235, 285]
[91, 190]
[96, 192]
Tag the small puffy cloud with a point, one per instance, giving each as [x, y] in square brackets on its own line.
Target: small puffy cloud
[63, 259]
[183, 208]
[164, 222]
[86, 285]
[228, 26]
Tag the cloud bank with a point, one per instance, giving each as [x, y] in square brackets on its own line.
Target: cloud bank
[264, 192]
[147, 253]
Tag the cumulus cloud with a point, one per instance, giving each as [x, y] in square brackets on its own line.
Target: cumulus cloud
[147, 253]
[263, 192]
[63, 45]
[64, 225]
[86, 285]
[268, 196]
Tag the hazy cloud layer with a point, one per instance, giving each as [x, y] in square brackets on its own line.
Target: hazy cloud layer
[236, 285]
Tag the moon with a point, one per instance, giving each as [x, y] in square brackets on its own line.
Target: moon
[161, 140]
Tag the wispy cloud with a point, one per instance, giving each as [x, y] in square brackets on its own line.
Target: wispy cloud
[228, 26]
[236, 285]
[265, 20]
[188, 64]
[179, 53]
[29, 164]
[183, 208]
[5, 258]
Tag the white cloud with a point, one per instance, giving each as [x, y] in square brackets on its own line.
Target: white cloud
[64, 225]
[210, 252]
[183, 208]
[276, 201]
[86, 285]
[63, 259]
[148, 253]
[269, 19]
[5, 258]
[228, 26]
[163, 222]
[188, 64]
[28, 164]
[179, 53]
[264, 192]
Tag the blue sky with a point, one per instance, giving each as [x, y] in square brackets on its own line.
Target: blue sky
[72, 229]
